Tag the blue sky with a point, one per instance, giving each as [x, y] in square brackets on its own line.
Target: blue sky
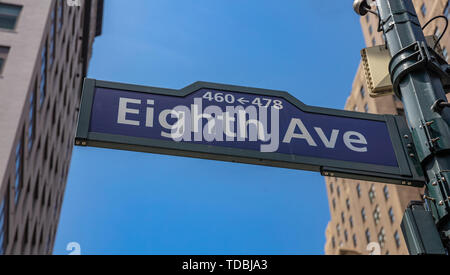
[119, 202]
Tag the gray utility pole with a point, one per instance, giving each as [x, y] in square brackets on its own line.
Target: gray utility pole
[418, 75]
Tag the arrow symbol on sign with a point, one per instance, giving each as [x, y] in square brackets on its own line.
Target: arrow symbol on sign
[243, 101]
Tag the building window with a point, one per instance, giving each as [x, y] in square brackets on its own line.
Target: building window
[46, 148]
[3, 55]
[362, 91]
[331, 188]
[358, 190]
[43, 83]
[355, 243]
[19, 170]
[423, 9]
[391, 215]
[31, 118]
[381, 237]
[397, 239]
[372, 193]
[338, 190]
[363, 214]
[346, 235]
[60, 4]
[52, 42]
[342, 217]
[366, 108]
[376, 215]
[338, 229]
[350, 220]
[8, 16]
[347, 203]
[386, 192]
[437, 32]
[334, 204]
[3, 206]
[333, 242]
[367, 235]
[400, 112]
[68, 52]
[445, 53]
[370, 30]
[374, 42]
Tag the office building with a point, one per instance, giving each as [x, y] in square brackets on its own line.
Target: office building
[365, 212]
[45, 48]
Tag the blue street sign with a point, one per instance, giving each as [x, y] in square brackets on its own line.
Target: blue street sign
[246, 125]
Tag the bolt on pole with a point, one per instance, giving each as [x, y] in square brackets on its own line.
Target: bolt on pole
[417, 72]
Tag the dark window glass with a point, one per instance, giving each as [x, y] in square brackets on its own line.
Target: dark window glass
[437, 32]
[43, 83]
[60, 14]
[3, 54]
[8, 16]
[376, 215]
[350, 220]
[19, 170]
[423, 9]
[391, 215]
[386, 192]
[381, 237]
[400, 112]
[363, 214]
[372, 194]
[355, 243]
[358, 190]
[2, 225]
[368, 236]
[31, 119]
[397, 239]
[362, 91]
[52, 42]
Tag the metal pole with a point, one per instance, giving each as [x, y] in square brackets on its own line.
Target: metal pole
[417, 73]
